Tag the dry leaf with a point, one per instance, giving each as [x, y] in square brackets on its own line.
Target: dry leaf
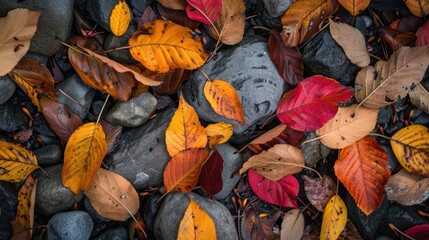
[319, 191]
[185, 130]
[277, 162]
[113, 196]
[16, 162]
[163, 45]
[120, 18]
[224, 100]
[174, 4]
[18, 28]
[355, 7]
[230, 23]
[292, 225]
[255, 227]
[345, 129]
[419, 8]
[196, 224]
[84, 152]
[205, 11]
[407, 189]
[411, 148]
[26, 203]
[397, 39]
[392, 80]
[351, 41]
[112, 132]
[419, 97]
[171, 81]
[334, 219]
[219, 133]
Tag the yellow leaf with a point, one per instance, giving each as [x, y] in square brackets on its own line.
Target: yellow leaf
[26, 201]
[163, 45]
[334, 219]
[17, 29]
[355, 7]
[411, 147]
[224, 100]
[84, 152]
[16, 162]
[219, 133]
[120, 18]
[196, 224]
[185, 130]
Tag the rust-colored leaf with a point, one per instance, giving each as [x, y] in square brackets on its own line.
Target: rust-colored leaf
[112, 132]
[334, 219]
[219, 133]
[397, 39]
[196, 224]
[174, 4]
[16, 162]
[419, 8]
[171, 81]
[84, 152]
[355, 7]
[255, 227]
[120, 18]
[183, 170]
[319, 191]
[26, 202]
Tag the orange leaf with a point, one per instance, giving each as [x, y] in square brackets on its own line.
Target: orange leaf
[120, 18]
[196, 224]
[219, 133]
[26, 201]
[354, 7]
[363, 169]
[419, 8]
[183, 170]
[84, 152]
[16, 162]
[224, 100]
[185, 130]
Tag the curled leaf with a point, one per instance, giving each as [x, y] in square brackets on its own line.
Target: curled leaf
[16, 162]
[219, 133]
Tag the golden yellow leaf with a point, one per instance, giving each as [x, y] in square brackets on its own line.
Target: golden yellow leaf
[411, 148]
[185, 130]
[219, 133]
[419, 8]
[16, 162]
[84, 152]
[162, 45]
[334, 219]
[120, 18]
[17, 30]
[196, 224]
[355, 7]
[224, 100]
[26, 202]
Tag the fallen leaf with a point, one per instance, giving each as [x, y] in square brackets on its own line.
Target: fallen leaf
[363, 169]
[255, 227]
[392, 80]
[162, 45]
[334, 219]
[205, 11]
[219, 133]
[282, 192]
[120, 18]
[288, 60]
[292, 225]
[84, 152]
[319, 191]
[196, 224]
[407, 189]
[148, 16]
[60, 118]
[312, 103]
[26, 203]
[411, 148]
[24, 135]
[419, 8]
[224, 100]
[418, 232]
[171, 81]
[183, 170]
[185, 130]
[397, 39]
[113, 196]
[277, 162]
[351, 40]
[19, 232]
[345, 129]
[355, 7]
[422, 35]
[174, 4]
[302, 19]
[229, 27]
[112, 132]
[210, 178]
[18, 28]
[16, 162]
[419, 97]
[177, 16]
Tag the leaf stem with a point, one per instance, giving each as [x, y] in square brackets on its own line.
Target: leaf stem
[380, 135]
[205, 75]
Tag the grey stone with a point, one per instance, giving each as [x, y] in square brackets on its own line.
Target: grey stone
[93, 213]
[277, 7]
[55, 21]
[12, 118]
[79, 91]
[70, 226]
[38, 57]
[314, 150]
[52, 196]
[49, 155]
[170, 214]
[118, 233]
[7, 88]
[322, 55]
[100, 11]
[248, 68]
[8, 201]
[141, 154]
[134, 112]
[112, 41]
[232, 162]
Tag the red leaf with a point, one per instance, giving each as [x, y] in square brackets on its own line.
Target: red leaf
[288, 60]
[312, 103]
[211, 174]
[282, 192]
[423, 35]
[205, 11]
[418, 232]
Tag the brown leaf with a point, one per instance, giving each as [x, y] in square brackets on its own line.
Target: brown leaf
[177, 16]
[292, 225]
[419, 97]
[112, 132]
[397, 39]
[171, 80]
[407, 189]
[174, 4]
[255, 227]
[319, 191]
[26, 203]
[355, 7]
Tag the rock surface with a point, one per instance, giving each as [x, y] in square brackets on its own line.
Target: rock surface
[7, 88]
[276, 8]
[112, 41]
[232, 162]
[118, 233]
[12, 118]
[174, 206]
[134, 112]
[70, 226]
[141, 154]
[49, 155]
[8, 203]
[314, 150]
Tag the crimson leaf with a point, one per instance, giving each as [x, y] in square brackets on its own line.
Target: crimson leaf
[205, 11]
